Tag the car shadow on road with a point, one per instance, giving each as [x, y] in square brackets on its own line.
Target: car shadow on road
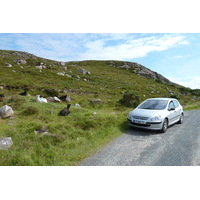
[137, 131]
[140, 132]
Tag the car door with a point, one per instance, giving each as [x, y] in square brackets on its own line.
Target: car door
[172, 113]
[177, 109]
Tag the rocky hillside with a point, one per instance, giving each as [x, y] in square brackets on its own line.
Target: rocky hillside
[131, 66]
[140, 70]
[107, 80]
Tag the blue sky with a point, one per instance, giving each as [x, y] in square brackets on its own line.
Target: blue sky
[175, 56]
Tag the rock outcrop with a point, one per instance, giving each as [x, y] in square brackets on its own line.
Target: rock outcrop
[139, 70]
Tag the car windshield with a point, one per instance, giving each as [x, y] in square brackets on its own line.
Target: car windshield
[154, 104]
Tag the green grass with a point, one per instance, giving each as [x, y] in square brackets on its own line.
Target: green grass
[72, 138]
[85, 130]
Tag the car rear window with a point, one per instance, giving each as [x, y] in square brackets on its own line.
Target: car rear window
[154, 104]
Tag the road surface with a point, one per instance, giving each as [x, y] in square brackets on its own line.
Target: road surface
[179, 146]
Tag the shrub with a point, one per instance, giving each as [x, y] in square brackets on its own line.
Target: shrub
[30, 110]
[174, 96]
[130, 99]
[51, 92]
[195, 92]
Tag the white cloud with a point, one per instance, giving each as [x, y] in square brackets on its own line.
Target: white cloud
[91, 46]
[181, 56]
[191, 82]
[130, 48]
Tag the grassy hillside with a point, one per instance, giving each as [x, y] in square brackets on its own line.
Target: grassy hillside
[70, 139]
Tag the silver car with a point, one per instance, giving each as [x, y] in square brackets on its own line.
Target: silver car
[156, 114]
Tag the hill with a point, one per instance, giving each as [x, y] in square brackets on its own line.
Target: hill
[99, 87]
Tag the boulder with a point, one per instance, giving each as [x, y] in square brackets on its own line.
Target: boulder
[5, 143]
[61, 73]
[6, 111]
[83, 71]
[53, 99]
[20, 61]
[68, 75]
[61, 63]
[95, 101]
[41, 66]
[68, 99]
[65, 98]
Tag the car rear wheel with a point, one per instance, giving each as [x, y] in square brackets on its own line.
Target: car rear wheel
[165, 126]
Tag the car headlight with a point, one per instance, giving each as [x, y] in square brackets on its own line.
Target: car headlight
[129, 115]
[156, 118]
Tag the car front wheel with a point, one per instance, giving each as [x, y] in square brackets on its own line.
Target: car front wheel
[181, 119]
[165, 126]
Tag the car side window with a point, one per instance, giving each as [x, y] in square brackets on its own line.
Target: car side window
[171, 105]
[175, 103]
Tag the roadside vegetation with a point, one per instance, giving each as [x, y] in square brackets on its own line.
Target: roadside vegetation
[43, 138]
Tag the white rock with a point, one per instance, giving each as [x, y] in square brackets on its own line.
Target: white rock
[6, 111]
[5, 143]
[61, 73]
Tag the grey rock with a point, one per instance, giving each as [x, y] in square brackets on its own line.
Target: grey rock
[61, 73]
[68, 99]
[6, 111]
[41, 66]
[20, 61]
[61, 63]
[83, 71]
[68, 75]
[95, 101]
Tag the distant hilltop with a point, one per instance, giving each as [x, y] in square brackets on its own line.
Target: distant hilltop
[131, 66]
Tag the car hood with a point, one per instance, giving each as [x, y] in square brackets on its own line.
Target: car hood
[146, 113]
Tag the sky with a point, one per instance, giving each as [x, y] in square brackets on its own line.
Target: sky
[173, 55]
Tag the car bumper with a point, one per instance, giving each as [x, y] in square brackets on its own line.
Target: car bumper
[146, 125]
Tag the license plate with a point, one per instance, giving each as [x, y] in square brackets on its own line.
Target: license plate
[138, 122]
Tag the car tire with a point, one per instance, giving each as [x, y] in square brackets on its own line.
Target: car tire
[164, 126]
[181, 119]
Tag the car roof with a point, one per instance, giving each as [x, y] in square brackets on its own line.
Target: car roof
[161, 98]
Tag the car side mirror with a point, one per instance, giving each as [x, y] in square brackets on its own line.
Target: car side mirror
[170, 109]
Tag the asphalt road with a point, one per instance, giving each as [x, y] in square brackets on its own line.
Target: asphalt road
[179, 146]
